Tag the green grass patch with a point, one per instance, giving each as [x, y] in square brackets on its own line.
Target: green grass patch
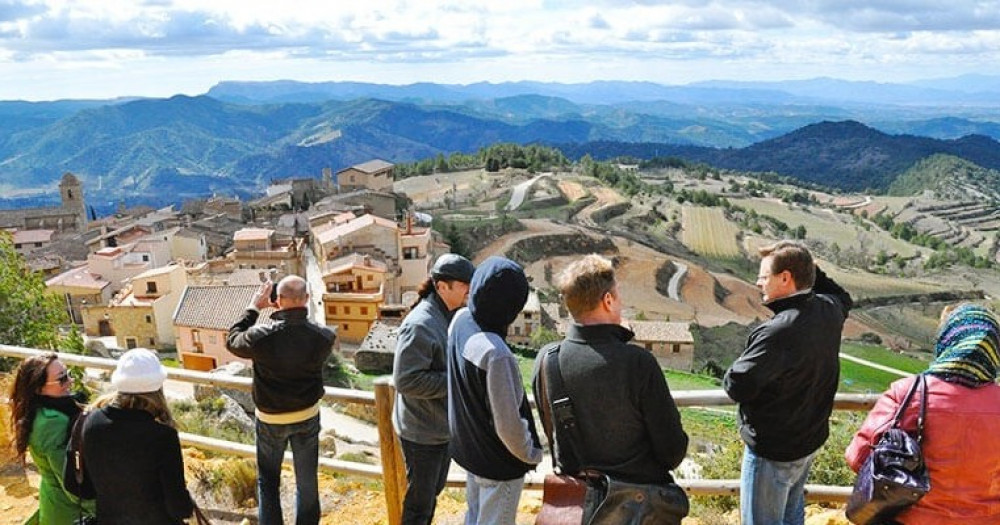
[886, 357]
[678, 380]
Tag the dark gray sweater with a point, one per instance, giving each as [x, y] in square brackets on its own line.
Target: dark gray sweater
[629, 424]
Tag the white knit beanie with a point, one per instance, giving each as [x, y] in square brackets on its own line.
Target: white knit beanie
[138, 371]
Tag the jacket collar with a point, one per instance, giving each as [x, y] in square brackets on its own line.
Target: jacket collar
[599, 333]
[795, 300]
[438, 303]
[292, 314]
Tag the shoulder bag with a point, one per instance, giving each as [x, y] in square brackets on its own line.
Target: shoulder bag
[75, 478]
[894, 476]
[590, 497]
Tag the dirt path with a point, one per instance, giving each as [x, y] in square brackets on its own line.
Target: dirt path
[605, 197]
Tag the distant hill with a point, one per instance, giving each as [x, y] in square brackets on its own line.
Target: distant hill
[949, 178]
[253, 132]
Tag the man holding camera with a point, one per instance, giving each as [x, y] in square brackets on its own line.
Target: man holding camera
[288, 357]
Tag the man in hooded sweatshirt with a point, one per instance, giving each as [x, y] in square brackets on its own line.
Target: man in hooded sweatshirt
[490, 424]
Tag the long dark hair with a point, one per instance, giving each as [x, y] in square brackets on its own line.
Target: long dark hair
[425, 289]
[30, 378]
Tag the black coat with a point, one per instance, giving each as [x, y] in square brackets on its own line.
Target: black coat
[288, 358]
[136, 467]
[787, 377]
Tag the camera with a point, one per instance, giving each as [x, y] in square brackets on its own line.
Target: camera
[267, 276]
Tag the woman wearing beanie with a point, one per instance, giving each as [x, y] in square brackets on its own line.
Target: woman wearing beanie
[42, 412]
[131, 451]
[961, 443]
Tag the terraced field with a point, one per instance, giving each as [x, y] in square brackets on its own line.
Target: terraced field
[829, 226]
[707, 231]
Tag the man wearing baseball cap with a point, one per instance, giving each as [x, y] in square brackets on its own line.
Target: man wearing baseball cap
[420, 415]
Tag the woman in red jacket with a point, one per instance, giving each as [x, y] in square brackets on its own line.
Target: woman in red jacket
[962, 433]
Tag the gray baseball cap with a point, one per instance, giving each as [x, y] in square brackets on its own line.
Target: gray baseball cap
[453, 267]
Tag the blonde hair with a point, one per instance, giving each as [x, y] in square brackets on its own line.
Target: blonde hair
[153, 402]
[584, 283]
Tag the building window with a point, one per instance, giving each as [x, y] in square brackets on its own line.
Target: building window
[527, 315]
[131, 343]
[347, 310]
[150, 286]
[331, 310]
[344, 326]
[145, 258]
[371, 277]
[411, 253]
[212, 339]
[677, 349]
[152, 342]
[517, 330]
[364, 310]
[195, 336]
[149, 319]
[649, 347]
[38, 245]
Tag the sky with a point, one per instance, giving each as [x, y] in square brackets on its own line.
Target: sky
[55, 49]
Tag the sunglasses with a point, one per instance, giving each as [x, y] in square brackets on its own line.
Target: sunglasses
[62, 379]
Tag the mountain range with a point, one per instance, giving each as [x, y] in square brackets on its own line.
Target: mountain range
[240, 135]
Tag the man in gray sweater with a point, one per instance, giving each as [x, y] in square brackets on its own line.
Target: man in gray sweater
[419, 371]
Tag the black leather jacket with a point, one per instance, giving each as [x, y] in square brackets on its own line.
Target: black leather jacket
[788, 374]
[288, 358]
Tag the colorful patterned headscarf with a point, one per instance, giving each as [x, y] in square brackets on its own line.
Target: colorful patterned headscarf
[967, 347]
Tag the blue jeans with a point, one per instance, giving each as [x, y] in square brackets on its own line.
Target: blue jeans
[773, 492]
[426, 474]
[492, 502]
[271, 443]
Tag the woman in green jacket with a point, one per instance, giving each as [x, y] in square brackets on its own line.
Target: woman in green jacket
[42, 414]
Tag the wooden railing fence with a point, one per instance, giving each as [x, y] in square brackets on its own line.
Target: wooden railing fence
[392, 471]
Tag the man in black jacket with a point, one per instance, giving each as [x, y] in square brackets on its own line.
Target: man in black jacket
[288, 358]
[628, 424]
[785, 382]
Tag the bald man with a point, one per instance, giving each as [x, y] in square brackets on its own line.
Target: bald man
[288, 356]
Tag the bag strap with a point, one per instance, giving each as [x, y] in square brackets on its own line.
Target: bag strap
[77, 446]
[563, 423]
[919, 382]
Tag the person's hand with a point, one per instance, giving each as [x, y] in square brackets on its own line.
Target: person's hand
[262, 299]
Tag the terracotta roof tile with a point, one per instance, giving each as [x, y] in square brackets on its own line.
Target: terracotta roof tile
[216, 307]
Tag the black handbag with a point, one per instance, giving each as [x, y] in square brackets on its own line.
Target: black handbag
[623, 503]
[894, 476]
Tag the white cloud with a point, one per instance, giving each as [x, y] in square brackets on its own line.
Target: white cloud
[472, 40]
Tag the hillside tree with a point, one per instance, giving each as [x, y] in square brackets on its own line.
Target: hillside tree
[29, 314]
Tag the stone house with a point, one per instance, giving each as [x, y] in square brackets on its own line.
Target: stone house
[141, 315]
[263, 248]
[26, 241]
[671, 343]
[120, 263]
[374, 175]
[527, 321]
[189, 244]
[407, 253]
[353, 296]
[202, 320]
[79, 288]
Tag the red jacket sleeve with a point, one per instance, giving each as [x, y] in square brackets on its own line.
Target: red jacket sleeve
[877, 422]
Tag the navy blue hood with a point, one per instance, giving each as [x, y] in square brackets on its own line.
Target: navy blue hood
[497, 294]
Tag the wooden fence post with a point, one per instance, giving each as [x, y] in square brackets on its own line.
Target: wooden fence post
[393, 469]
